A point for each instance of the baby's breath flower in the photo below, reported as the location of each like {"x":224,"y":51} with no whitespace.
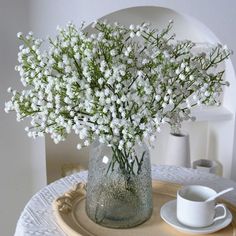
{"x":19,"y":35}
{"x":132,"y":34}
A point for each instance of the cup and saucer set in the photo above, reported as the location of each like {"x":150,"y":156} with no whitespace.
{"x":195,"y":211}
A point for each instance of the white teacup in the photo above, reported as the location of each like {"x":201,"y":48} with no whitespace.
{"x":192,"y":210}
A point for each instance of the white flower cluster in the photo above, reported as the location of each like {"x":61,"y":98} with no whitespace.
{"x":118,"y":84}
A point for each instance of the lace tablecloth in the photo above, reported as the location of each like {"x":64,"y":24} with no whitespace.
{"x":37,"y":217}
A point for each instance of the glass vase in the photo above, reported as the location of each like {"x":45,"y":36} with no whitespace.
{"x":119,"y":195}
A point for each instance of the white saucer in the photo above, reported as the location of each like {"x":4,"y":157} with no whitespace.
{"x":168,"y":214}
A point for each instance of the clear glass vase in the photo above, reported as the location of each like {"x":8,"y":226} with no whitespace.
{"x":119,"y":196}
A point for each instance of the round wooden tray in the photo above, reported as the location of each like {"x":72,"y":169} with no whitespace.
{"x":69,"y":211}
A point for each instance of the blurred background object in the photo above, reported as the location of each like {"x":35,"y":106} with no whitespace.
{"x":208,"y":166}
{"x":178,"y":150}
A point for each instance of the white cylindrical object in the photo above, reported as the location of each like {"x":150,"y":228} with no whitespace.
{"x":178,"y":150}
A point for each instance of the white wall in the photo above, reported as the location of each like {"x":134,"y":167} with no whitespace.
{"x":22,"y":168}
{"x":218,"y":15}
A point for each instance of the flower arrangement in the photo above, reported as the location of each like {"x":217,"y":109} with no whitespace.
{"x":118,"y":84}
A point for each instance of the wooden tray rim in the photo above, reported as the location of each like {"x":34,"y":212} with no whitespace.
{"x":64,"y":204}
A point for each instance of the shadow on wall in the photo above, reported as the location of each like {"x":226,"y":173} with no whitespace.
{"x":212,"y":151}
{"x":64,"y":156}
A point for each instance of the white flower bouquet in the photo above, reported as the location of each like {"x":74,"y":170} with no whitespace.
{"x":118,"y":84}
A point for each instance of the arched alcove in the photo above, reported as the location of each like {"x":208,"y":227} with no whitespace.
{"x":207,"y":135}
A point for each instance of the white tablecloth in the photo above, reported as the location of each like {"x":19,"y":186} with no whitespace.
{"x":37,"y":217}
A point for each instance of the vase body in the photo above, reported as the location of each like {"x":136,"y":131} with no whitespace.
{"x":117,"y":198}
{"x":178,"y":151}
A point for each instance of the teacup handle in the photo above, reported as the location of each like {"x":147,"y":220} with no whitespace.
{"x":222,"y":216}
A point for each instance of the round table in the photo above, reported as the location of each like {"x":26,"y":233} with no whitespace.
{"x":37,"y":217}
